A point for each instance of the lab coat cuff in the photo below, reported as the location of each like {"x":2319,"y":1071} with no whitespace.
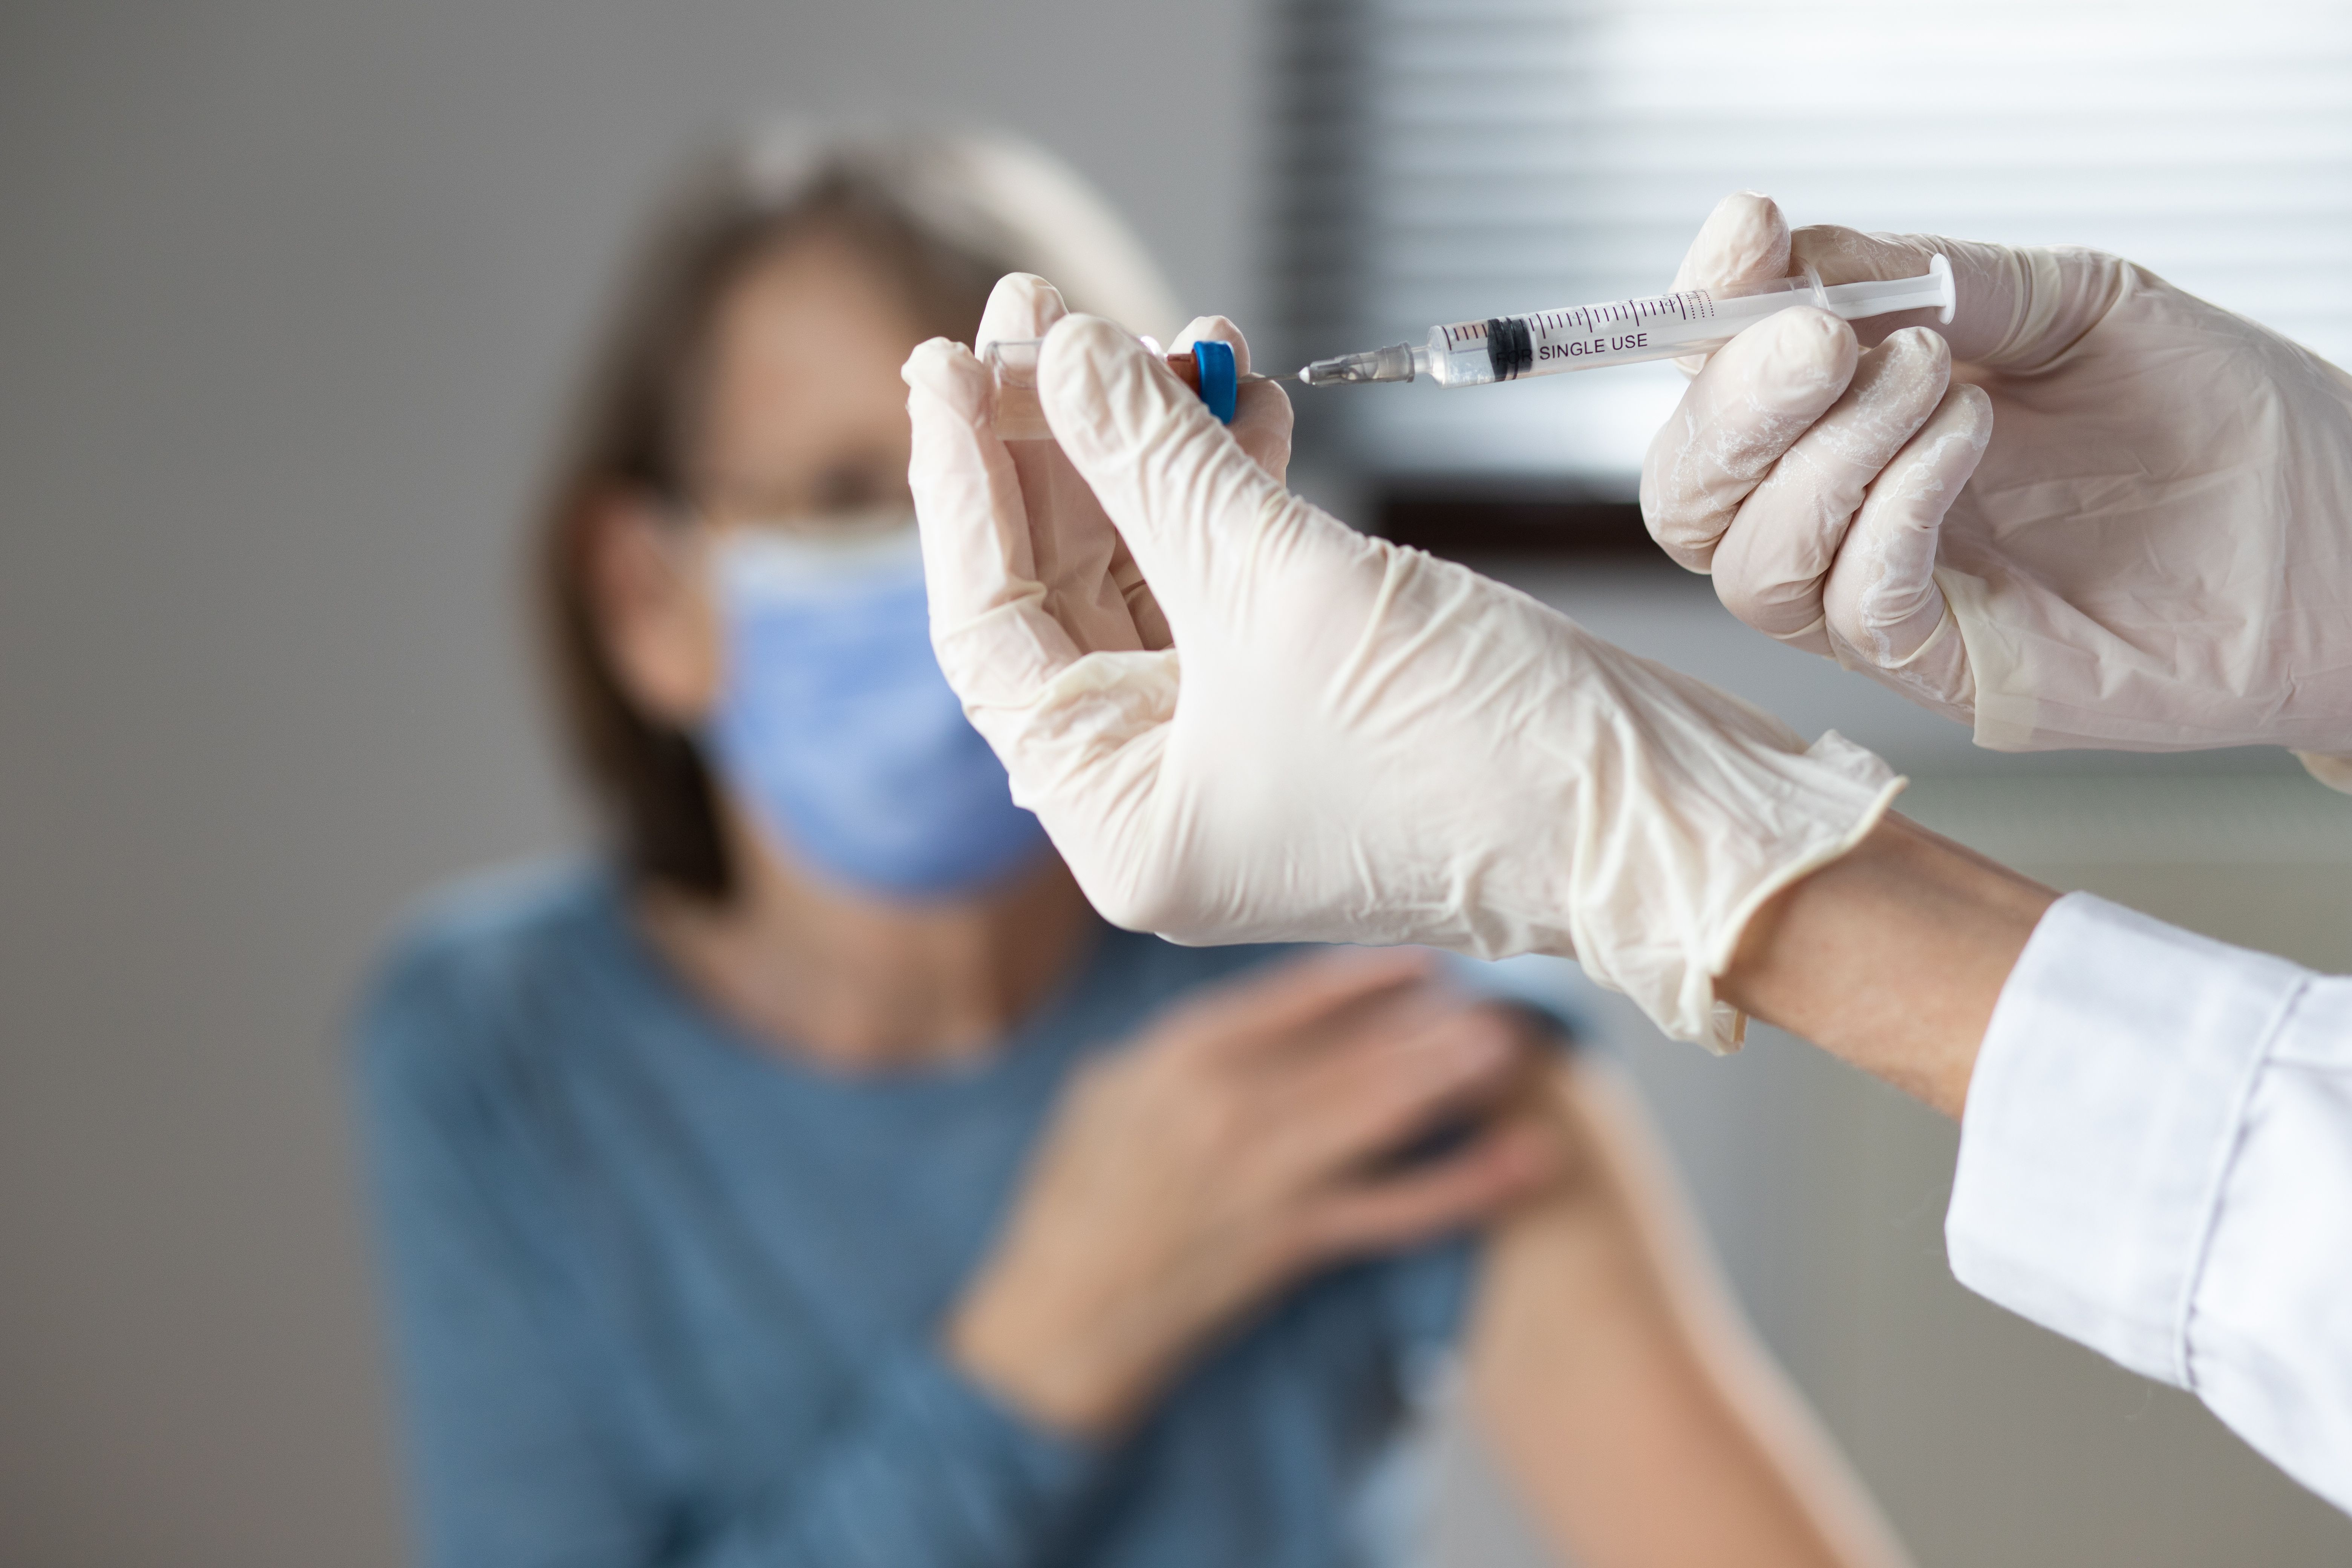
{"x":2101,"y":1120}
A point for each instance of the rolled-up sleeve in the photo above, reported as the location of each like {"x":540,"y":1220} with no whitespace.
{"x":2155,"y":1160}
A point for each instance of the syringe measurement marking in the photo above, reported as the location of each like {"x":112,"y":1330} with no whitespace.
{"x":1595,"y":324}
{"x":1686,"y":305}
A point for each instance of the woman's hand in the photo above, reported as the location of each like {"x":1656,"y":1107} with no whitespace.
{"x":1241,"y":1143}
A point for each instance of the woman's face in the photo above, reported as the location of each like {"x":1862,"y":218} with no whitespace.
{"x":806,"y":668}
{"x":806,"y":416}
{"x":805,"y":424}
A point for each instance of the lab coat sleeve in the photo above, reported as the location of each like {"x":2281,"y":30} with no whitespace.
{"x":2155,"y":1160}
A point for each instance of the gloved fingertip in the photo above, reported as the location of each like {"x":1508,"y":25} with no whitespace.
{"x":1263,"y":421}
{"x":1918,"y":344}
{"x":1022,"y":307}
{"x":1743,"y":240}
{"x":948,"y":371}
{"x":1217,"y":329}
{"x":1698,"y":559}
{"x":1024,"y":286}
{"x":1265,"y":403}
{"x":1804,"y":326}
{"x":1749,"y":214}
{"x":928,"y":355}
{"x":1910,"y":368}
{"x":1810,"y":348}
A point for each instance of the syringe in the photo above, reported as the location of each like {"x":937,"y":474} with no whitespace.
{"x":1625,"y":331}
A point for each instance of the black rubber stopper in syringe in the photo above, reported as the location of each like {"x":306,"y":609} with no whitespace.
{"x":1510,"y":347}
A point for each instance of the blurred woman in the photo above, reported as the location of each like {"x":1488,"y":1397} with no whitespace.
{"x":812,"y":1178}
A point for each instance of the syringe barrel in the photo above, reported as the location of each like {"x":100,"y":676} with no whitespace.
{"x":1585,"y":337}
{"x":1657,"y":326}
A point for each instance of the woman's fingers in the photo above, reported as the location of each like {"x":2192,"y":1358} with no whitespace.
{"x":1372,"y":1092}
{"x":1510,"y":1159}
{"x":1290,"y":1005}
{"x":1759,"y":393}
{"x":1769,"y":566}
{"x":1880,"y":598}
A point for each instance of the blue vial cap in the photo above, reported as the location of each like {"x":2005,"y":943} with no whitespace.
{"x":1221,"y":382}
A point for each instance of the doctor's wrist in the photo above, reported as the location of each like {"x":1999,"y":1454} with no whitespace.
{"x":1892,"y":957}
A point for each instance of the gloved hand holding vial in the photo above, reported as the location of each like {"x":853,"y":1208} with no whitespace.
{"x":1359,"y":743}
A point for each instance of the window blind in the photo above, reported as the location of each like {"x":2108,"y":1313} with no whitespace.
{"x":1449,"y":160}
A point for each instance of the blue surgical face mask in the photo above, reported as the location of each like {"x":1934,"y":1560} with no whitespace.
{"x":836,"y":728}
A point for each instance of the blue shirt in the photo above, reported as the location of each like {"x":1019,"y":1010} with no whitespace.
{"x":663,"y":1295}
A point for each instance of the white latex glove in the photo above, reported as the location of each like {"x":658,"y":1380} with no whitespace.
{"x":1360,"y":743}
{"x":2123,"y":520}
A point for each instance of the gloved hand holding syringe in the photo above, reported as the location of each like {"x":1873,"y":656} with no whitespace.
{"x":1539,"y":342}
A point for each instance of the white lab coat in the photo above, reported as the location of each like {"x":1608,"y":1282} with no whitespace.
{"x":2155,"y":1160}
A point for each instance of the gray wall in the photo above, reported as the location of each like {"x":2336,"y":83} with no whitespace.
{"x":287,"y":296}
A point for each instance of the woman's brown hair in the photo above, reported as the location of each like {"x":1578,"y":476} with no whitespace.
{"x":634,"y":429}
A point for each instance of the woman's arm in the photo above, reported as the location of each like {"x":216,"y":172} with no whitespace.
{"x":1231,"y":1151}
{"x":1614,"y":1378}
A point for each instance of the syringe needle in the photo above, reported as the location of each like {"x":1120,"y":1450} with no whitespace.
{"x":1398,"y":361}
